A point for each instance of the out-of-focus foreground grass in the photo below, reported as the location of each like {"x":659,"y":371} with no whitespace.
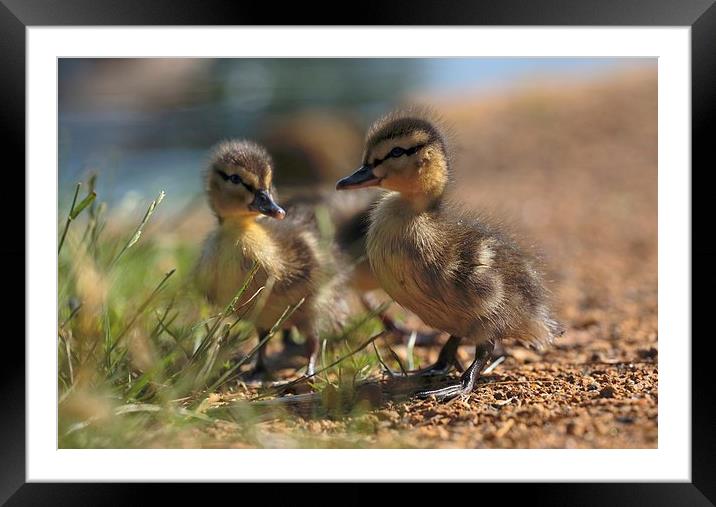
{"x":141,"y":354}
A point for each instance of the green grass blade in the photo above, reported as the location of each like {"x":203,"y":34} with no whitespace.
{"x":396,"y":358}
{"x":69,"y":218}
{"x":148,"y":376}
{"x":138,"y":231}
{"x":286,"y":387}
{"x":82,"y":205}
{"x":278,"y":325}
{"x":227,"y":310}
{"x":140,"y":310}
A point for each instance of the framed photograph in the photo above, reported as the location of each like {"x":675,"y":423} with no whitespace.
{"x":449,"y":244}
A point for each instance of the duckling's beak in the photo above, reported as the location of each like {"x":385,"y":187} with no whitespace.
{"x":363,"y":177}
{"x":264,"y":204}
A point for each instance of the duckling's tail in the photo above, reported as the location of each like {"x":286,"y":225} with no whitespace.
{"x":555,"y":328}
{"x":541,"y":332}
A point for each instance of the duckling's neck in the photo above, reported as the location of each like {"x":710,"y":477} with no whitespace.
{"x":418,"y":202}
{"x":250,"y":235}
{"x":239,"y":223}
{"x":432,"y":182}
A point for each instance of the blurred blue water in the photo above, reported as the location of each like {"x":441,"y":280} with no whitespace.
{"x":141,"y":140}
{"x":452,"y":74}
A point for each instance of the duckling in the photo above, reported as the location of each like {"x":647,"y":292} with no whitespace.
{"x":349,"y":216}
{"x":456,"y":270}
{"x":253,"y":228}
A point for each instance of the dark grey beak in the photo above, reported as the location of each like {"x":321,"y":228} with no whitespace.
{"x":363,"y":177}
{"x":264,"y":204}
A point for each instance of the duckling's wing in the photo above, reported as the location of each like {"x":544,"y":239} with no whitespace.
{"x":519,"y":265}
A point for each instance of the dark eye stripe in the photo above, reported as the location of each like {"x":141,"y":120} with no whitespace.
{"x":235,"y":179}
{"x":397,"y":152}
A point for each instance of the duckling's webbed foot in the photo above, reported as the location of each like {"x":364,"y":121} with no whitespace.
{"x":258,"y":374}
{"x":465,"y":386}
{"x":446,"y":360}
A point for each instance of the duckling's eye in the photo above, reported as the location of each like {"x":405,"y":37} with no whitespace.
{"x":221,"y":173}
{"x":397,"y":152}
{"x":235,"y":179}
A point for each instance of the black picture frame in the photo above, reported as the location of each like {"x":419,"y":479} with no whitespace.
{"x":17,"y":15}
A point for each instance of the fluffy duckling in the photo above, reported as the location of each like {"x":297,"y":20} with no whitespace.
{"x":251,"y":228}
{"x":349,"y":214}
{"x":458,"y":272}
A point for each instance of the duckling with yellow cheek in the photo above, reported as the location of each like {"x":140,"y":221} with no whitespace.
{"x":455,"y":270}
{"x":251,"y":228}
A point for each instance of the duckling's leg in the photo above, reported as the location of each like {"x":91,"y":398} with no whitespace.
{"x":446,"y":360}
{"x":259,"y":371}
{"x":498,"y":356}
{"x":311,"y":352}
{"x":290,"y":347}
{"x":483,"y":353}
{"x":399,"y":330}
